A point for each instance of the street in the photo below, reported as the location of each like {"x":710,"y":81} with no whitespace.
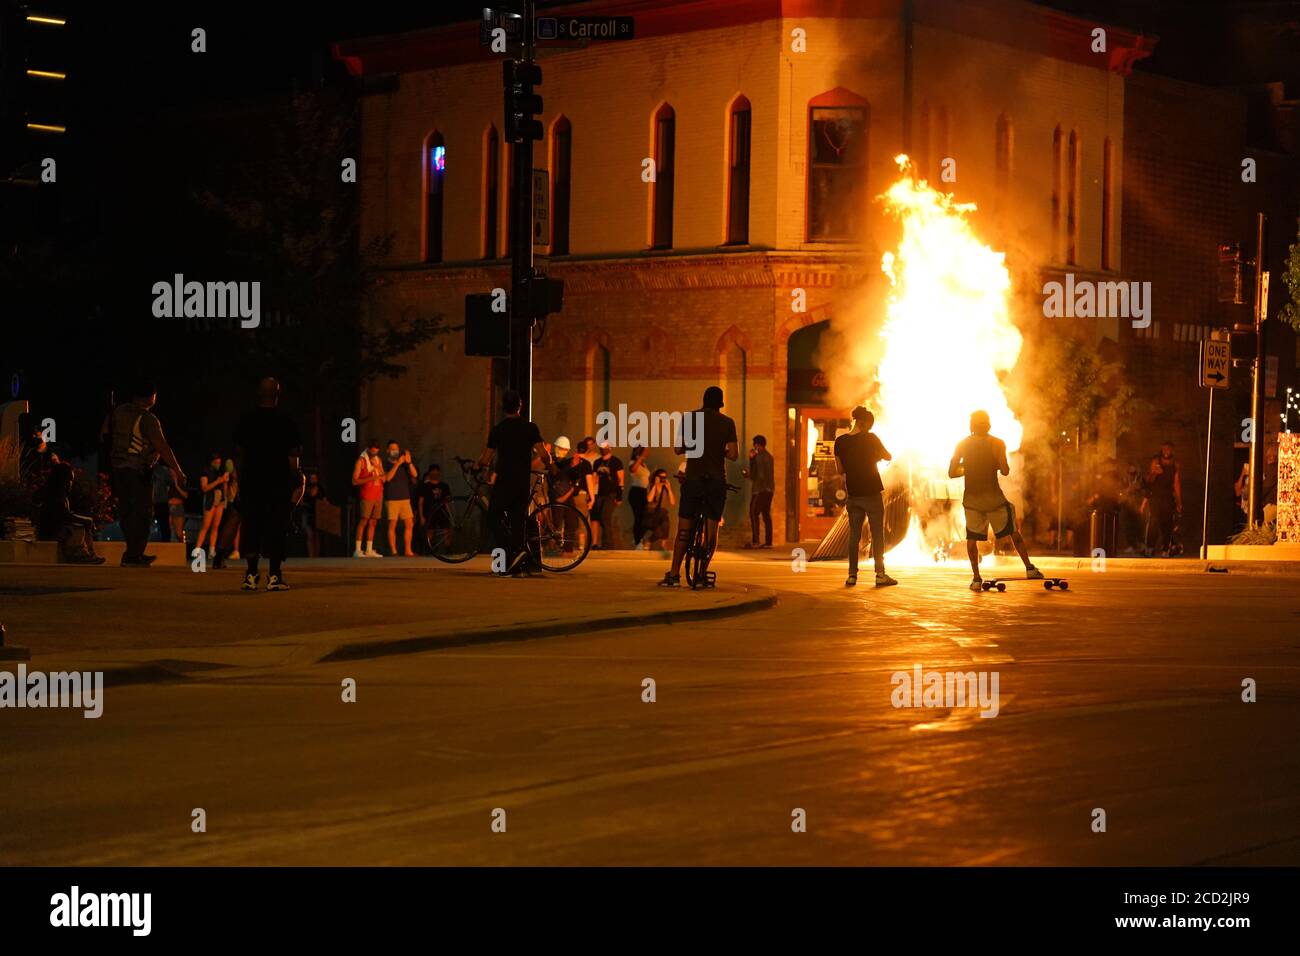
{"x":1124,"y":694}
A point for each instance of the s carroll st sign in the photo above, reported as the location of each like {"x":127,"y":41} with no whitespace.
{"x":585,"y":28}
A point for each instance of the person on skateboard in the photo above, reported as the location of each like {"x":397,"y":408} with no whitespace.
{"x":979,"y":458}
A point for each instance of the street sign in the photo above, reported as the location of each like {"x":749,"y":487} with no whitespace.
{"x":585,"y":28}
{"x":1216,"y":361}
{"x":541,"y":208}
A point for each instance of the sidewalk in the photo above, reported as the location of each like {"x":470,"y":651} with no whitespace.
{"x":164,"y":623}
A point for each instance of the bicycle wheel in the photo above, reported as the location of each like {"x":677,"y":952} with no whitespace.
{"x":697,"y":555}
{"x":459,"y":530}
{"x":559,"y":536}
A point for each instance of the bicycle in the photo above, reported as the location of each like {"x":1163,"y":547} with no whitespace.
{"x":699,"y":553}
{"x":557,"y":534}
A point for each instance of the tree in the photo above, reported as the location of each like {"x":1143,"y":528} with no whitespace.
{"x":1290,"y":311}
{"x":293,"y":222}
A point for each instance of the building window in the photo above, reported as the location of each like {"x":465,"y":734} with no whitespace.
{"x":1072,"y":207}
{"x":1002,"y":153}
{"x":1107,"y":204}
{"x":435,"y":165}
{"x":837,"y":155}
{"x":1057,"y":155}
{"x":665,"y":144}
{"x":738,"y":173}
{"x":561,"y":185}
{"x":491,"y":188}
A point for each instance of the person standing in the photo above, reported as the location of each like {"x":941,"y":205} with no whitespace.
{"x":762,"y":480}
{"x":162,"y":482}
{"x":432,"y":503}
{"x":398,"y":479}
{"x":213,"y":483}
{"x":980,"y":458}
{"x":583,"y":477}
{"x":659,"y":500}
{"x":638,"y":486}
{"x":512,"y":445}
{"x":609,"y":495}
{"x":267,"y":447}
{"x":859,"y":454}
{"x":704,"y":486}
{"x":138,"y":444}
{"x":305,"y":514}
{"x":1165,"y":503}
{"x":368,"y":479}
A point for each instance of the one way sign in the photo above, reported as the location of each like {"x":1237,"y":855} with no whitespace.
{"x":1216,"y":360}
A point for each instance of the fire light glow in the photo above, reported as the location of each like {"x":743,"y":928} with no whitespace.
{"x":948,"y":338}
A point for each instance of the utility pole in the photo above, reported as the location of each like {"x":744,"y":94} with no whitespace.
{"x":1255,"y":512}
{"x":521,"y":129}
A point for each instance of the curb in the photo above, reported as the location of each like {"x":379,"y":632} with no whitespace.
{"x":172,"y":670}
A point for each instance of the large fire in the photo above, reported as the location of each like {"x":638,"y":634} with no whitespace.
{"x":947,"y":338}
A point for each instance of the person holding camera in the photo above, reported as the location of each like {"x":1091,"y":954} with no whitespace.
{"x":659,"y":500}
{"x":398,"y":479}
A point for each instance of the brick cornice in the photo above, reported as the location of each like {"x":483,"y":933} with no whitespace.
{"x":752,"y":270}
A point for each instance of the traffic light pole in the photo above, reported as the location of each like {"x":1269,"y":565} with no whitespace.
{"x":521,"y":245}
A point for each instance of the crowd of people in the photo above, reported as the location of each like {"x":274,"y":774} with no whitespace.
{"x":247,"y":503}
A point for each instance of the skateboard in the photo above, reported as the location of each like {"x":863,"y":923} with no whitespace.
{"x":1048,"y":583}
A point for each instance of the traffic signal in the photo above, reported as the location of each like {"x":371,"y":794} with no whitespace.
{"x":487,"y":331}
{"x":523,"y":106}
{"x":545,"y":295}
{"x":1229,"y":273}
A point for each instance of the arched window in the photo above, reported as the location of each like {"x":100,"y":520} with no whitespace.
{"x":1072,"y":202}
{"x":435,"y":166}
{"x":561,"y":185}
{"x":1107,"y":204}
{"x":738,"y":172}
{"x":1002,"y":153}
{"x":664,"y":147}
{"x":837,"y":165}
{"x":491,"y":191}
{"x":1057,"y":160}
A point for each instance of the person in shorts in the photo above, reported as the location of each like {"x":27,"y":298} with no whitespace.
{"x":704,"y":487}
{"x":398,"y":479}
{"x":368,"y":479}
{"x":980,"y":458}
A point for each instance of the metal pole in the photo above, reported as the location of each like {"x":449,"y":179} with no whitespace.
{"x":521,"y":247}
{"x":1205,"y":507}
{"x":1060,"y":496}
{"x":1255,"y":510}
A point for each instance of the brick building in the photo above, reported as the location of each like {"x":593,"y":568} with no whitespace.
{"x":772,"y":124}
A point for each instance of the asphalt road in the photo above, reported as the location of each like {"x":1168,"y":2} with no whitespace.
{"x":1123,"y":694}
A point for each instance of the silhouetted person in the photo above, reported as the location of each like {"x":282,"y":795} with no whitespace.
{"x":512,"y":445}
{"x":980,"y":458}
{"x":267,"y":447}
{"x":1164,"y":501}
{"x":860,"y":453}
{"x":761,"y":474}
{"x":138,"y":444}
{"x":75,"y":533}
{"x":704,"y":486}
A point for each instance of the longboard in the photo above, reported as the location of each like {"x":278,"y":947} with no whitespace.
{"x":1048,"y":583}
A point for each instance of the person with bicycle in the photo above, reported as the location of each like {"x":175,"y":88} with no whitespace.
{"x":704,"y":487}
{"x":512,"y":444}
